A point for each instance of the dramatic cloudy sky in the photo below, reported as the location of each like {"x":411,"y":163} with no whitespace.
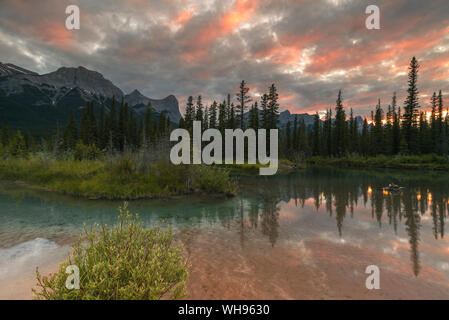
{"x":309,"y":48}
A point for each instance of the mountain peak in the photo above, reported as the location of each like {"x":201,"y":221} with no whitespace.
{"x":136,"y":93}
{"x":9,"y":69}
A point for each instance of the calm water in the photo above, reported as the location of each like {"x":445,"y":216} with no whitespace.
{"x":306,"y":235}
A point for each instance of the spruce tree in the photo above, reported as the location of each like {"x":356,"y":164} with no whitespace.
{"x":189,"y":114}
{"x":265,"y":112}
{"x":199,"y":116}
{"x":213,"y":115}
{"x":273,"y":108}
{"x":70,"y":137}
{"x":364,"y":139}
{"x":316,"y":133}
{"x":411,"y":109}
{"x":243,"y":98}
{"x":340,"y":128}
{"x":222,"y":117}
{"x":377,"y":131}
{"x":253,"y":116}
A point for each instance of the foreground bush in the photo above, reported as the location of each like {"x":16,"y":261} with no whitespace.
{"x":125,"y":261}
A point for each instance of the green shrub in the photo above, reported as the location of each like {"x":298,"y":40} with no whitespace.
{"x":83,"y":152}
{"x":125,"y":166}
{"x":124,"y":261}
{"x":211,"y":179}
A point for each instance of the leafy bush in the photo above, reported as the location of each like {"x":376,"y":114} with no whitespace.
{"x":125,"y":261}
{"x":17,"y":146}
{"x":126,"y":165}
{"x":211,"y":179}
{"x":83,"y":152}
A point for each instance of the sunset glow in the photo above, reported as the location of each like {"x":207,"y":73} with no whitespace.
{"x":310,"y":49}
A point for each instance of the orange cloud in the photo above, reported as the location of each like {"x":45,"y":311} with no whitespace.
{"x":239,"y":13}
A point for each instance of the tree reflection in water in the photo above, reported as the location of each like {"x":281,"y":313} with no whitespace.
{"x":340,"y":191}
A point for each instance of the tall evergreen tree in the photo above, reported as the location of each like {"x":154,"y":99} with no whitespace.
{"x":411,"y":108}
{"x":377,"y":131}
{"x":265,"y":112}
{"x":273,"y":108}
{"x":316,"y":134}
{"x":222,"y":117}
{"x":199,"y":110}
{"x":243,"y":98}
{"x":340,"y":128}
{"x":213,"y":115}
{"x":253,"y":117}
{"x":70,"y":133}
{"x":189,"y":114}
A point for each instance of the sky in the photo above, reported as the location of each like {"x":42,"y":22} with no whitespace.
{"x":309,"y":48}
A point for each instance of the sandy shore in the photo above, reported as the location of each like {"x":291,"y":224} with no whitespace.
{"x":20,"y":288}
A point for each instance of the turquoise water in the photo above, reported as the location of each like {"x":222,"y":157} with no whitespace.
{"x":321,"y":215}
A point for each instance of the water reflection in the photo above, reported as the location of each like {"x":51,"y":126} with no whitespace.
{"x":342,"y":192}
{"x":260,"y":210}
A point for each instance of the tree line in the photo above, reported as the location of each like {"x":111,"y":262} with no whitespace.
{"x":393,"y":131}
{"x":227,"y":115}
{"x":405,"y":131}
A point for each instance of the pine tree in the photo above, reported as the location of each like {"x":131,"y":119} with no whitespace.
{"x":411,"y":107}
{"x":316,"y":133}
{"x":273,"y":108}
{"x":327,"y":134}
{"x":425,"y":141}
{"x":434,"y":128}
{"x":441,"y":129}
{"x":199,"y":110}
{"x":148,"y":122}
{"x":396,"y":130}
{"x":377,"y":131}
{"x":161,"y":125}
{"x":340,"y":127}
{"x":304,"y":148}
{"x":353,"y":134}
{"x":213,"y":115}
{"x":253,"y":116}
{"x":222,"y":117}
{"x":206,"y":119}
{"x":295,"y":134}
{"x":70,"y":133}
{"x":243,"y":98}
{"x":189,"y":114}
{"x":265,"y":113}
{"x":111,"y":127}
{"x":364,"y":139}
{"x":232,"y":121}
{"x":123,"y":125}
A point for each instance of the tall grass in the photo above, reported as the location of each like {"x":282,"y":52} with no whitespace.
{"x":125,"y":176}
{"x":428,"y":162}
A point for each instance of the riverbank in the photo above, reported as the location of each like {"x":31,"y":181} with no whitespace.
{"x":123,"y":178}
{"x":424,"y":162}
